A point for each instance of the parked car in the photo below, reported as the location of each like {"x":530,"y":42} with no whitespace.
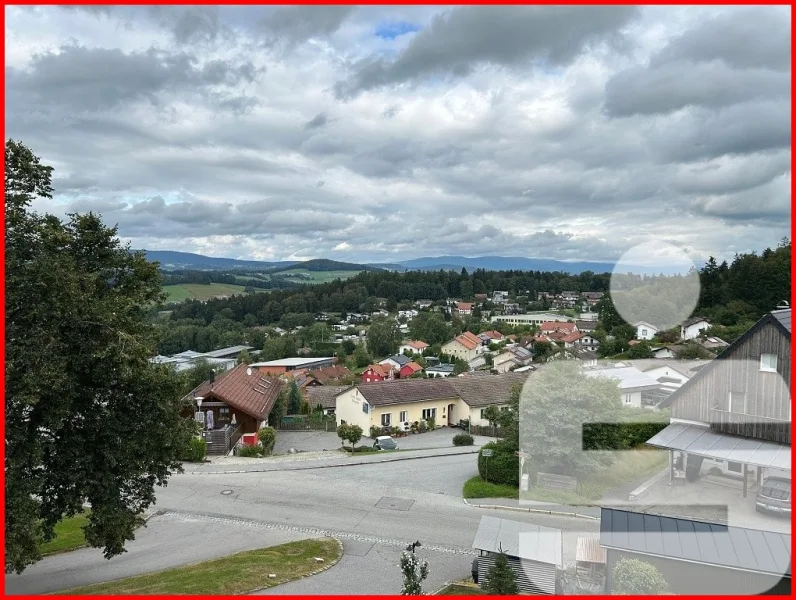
{"x":385,"y":442}
{"x":773,"y":496}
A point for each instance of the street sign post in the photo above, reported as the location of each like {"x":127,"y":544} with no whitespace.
{"x":486,"y":453}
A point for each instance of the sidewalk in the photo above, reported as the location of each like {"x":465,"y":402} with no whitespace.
{"x":533,"y":506}
{"x":316,"y":460}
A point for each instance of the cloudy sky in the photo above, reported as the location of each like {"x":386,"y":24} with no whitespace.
{"x":387,"y":133}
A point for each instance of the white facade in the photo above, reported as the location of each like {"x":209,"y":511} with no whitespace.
{"x":589,"y":316}
{"x":693,"y":330}
{"x":529,"y":318}
{"x":645,"y":331}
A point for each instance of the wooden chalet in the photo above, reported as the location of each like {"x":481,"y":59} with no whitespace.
{"x":736,"y":409}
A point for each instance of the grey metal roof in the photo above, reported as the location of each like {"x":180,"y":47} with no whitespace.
{"x":401,"y":359}
{"x":696,"y":541}
{"x":225,"y":352}
{"x":783,"y":316}
{"x":700,"y":440}
{"x":523,"y":540}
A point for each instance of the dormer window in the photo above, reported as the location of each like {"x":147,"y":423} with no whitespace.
{"x":768,"y":363}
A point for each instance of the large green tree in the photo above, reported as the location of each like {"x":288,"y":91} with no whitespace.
{"x":89,"y":420}
{"x":430,"y":327}
{"x":384,"y":337}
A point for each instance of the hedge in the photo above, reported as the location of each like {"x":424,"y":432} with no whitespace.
{"x":196,"y":450}
{"x":503,"y":467}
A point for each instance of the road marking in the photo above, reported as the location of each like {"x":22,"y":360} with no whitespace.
{"x":213,"y":518}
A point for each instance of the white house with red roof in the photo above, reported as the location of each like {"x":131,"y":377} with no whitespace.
{"x":413,"y":347}
{"x":466,"y":346}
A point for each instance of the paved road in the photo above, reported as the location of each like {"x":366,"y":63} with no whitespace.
{"x":375,"y":509}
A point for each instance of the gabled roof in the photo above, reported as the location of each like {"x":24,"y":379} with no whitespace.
{"x":556,"y":325}
{"x":325,"y":395}
{"x":492,"y":389}
{"x":468,"y":340}
{"x":416,"y":344}
{"x":326,"y":374}
{"x":401,"y":359}
{"x":245,"y":389}
{"x":779,"y":319}
{"x":464,"y":305}
{"x":415,"y":368}
{"x":694,"y":321}
{"x":493,"y":335}
{"x":586,"y":325}
{"x":572,"y":337}
{"x":382,"y":370}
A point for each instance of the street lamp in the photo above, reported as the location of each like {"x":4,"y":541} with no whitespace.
{"x":411,"y":547}
{"x":198,"y":400}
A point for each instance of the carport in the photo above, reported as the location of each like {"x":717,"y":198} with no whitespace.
{"x":699,"y":440}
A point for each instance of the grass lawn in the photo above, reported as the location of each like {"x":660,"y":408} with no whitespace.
{"x":200,"y":291}
{"x":629,"y":466}
{"x":318,"y":276}
{"x":475,"y":487}
{"x":68,"y":536}
{"x":461,"y":590}
{"x":240,"y":573}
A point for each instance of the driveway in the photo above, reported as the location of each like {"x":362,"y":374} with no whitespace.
{"x":318,"y":441}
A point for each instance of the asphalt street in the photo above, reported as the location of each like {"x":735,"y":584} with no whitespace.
{"x":374,"y":509}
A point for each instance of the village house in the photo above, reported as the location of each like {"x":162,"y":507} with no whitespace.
{"x":735,"y":413}
{"x":413,"y":347}
{"x":578,"y":339}
{"x":480,"y":298}
{"x":464,"y":308}
{"x":465,"y":346}
{"x":500,"y":296}
{"x":285,"y":365}
{"x":324,"y":396}
{"x":233,"y":403}
{"x":511,"y":359}
{"x":692,"y":328}
{"x":222,"y":359}
{"x":529,"y":318}
{"x":440,"y":370}
{"x":396,"y":361}
{"x":637,"y":389}
{"x":645,"y":331}
{"x":712,"y":343}
{"x":558,"y":326}
{"x":490,"y":337}
{"x":423,"y":303}
{"x":376,"y":373}
{"x":446,"y":401}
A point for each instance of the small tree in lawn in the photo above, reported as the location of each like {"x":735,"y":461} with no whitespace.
{"x":415,"y":572}
{"x":501,"y":580}
{"x":343,"y":432}
{"x":492,"y":414}
{"x":294,"y":399}
{"x":354,"y":435}
{"x":636,"y":577}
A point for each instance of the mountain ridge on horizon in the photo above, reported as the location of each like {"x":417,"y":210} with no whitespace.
{"x":175,"y":260}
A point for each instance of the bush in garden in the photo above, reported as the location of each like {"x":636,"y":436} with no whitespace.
{"x":431,"y":423}
{"x":196,"y":450}
{"x":503,"y":467}
{"x":267,"y":437}
{"x":250,"y":450}
{"x":422,"y":428}
{"x":463,"y":439}
{"x":632,"y":576}
{"x":374,"y":432}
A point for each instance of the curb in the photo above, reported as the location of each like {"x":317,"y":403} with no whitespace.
{"x":348,"y":464}
{"x":533,"y":510}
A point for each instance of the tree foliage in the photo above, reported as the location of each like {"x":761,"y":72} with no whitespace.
{"x":500,"y":579}
{"x":415,"y":572}
{"x":632,"y":576}
{"x":294,"y":399}
{"x":88,"y":417}
{"x":384,"y":337}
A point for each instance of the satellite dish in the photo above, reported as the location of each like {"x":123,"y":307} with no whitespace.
{"x":248,"y":371}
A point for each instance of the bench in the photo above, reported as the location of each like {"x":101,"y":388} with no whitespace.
{"x":551,"y":481}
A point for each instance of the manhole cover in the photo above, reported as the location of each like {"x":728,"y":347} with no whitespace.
{"x":226,"y":492}
{"x":395,"y":503}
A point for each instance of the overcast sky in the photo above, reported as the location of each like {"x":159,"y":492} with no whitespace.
{"x":388,"y":133}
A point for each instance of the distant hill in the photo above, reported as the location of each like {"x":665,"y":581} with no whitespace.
{"x":174,"y":261}
{"x":517,"y":263}
{"x":325,"y":264}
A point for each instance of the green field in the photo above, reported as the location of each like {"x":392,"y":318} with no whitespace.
{"x":317,"y":276}
{"x":68,"y":536}
{"x":200,"y":291}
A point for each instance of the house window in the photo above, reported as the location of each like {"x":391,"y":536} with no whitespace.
{"x":403,"y":416}
{"x":482,"y":415}
{"x":365,"y":407}
{"x":429,"y":413}
{"x":643,"y":333}
{"x":385,"y":419}
{"x":768,"y":362}
{"x":738,"y":402}
{"x":627,"y":398}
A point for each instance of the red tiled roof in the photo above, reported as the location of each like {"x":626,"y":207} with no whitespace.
{"x":326,"y":374}
{"x":492,"y":334}
{"x":253,"y":394}
{"x":382,"y":370}
{"x":464,"y":306}
{"x":417,"y":344}
{"x":557,"y":336}
{"x":571,"y":337}
{"x":554,"y":326}
{"x":414,"y":366}
{"x":469,"y":340}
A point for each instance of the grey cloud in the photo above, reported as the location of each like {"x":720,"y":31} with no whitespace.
{"x":742,"y":129}
{"x":748,"y":38}
{"x":677,"y":85}
{"x":98,"y":78}
{"x":726,"y":177}
{"x":466,"y":36}
{"x":294,"y":25}
{"x":317,"y":121}
{"x":768,"y":204}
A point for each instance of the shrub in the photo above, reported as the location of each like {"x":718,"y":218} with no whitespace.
{"x":374,"y":432}
{"x":637,"y":577}
{"x":463,"y":439}
{"x":503,"y":467}
{"x":250,"y":450}
{"x":267,"y":437}
{"x":431,"y":423}
{"x":422,"y":428}
{"x":196,"y":450}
